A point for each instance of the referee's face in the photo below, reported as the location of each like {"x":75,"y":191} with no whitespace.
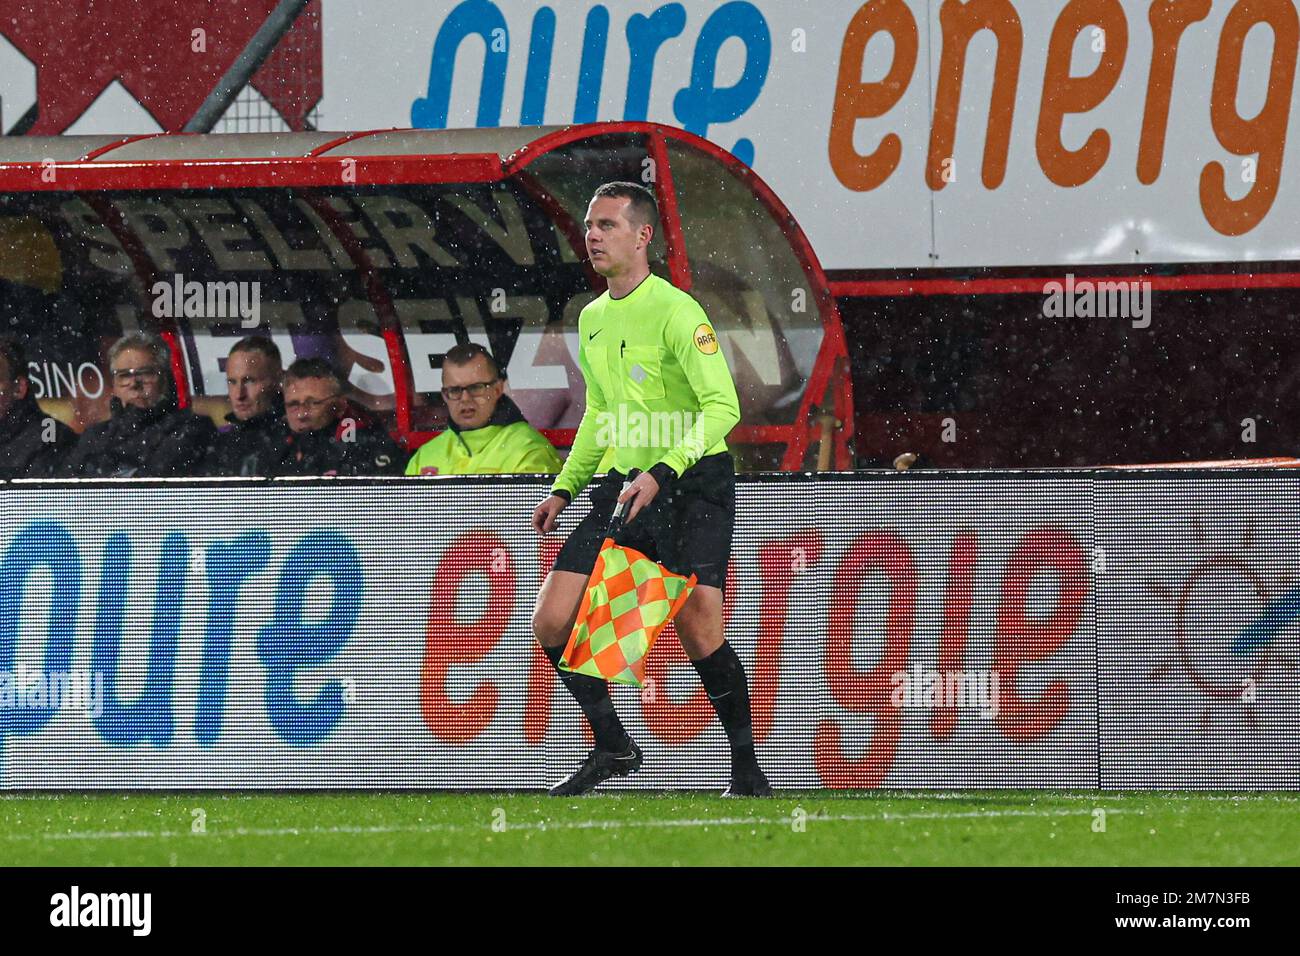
{"x":614,"y":244}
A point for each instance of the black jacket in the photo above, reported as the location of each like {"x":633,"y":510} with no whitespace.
{"x":158,"y":442}
{"x":251,"y":448}
{"x":352,"y":446}
{"x":24,"y":452}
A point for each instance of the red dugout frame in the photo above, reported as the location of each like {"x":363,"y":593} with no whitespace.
{"x":320,"y":165}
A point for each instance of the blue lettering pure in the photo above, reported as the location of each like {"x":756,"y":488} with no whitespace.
{"x":587,"y":103}
{"x":286,"y":646}
{"x":290,"y":643}
{"x":537,"y":79}
{"x":42,"y":544}
{"x":702,"y":103}
{"x":697,"y":107}
{"x":149,"y":716}
{"x":645,"y":35}
{"x":477,"y":17}
{"x":229,"y":565}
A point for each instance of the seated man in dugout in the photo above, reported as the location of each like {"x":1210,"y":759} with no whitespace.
{"x":31,"y":442}
{"x":486,"y":433}
{"x":325,"y":434}
{"x":148,"y":435}
{"x":254,"y":439}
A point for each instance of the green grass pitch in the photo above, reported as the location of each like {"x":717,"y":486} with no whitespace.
{"x":933,"y":828}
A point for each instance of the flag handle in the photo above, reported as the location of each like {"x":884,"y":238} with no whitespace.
{"x":616,"y":520}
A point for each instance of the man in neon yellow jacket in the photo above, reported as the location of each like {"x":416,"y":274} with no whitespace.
{"x":486,"y":433}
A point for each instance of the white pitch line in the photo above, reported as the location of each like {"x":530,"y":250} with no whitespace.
{"x":1082,"y":796}
{"x":542,"y":826}
{"x":1087,"y":796}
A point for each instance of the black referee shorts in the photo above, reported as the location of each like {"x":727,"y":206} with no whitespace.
{"x":687,"y":530}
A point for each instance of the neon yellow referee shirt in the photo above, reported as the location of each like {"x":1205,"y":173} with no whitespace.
{"x":658,"y":385}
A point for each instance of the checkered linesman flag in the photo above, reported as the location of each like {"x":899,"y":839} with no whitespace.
{"x":629,"y":599}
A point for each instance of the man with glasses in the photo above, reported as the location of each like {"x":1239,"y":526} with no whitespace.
{"x":252,"y":441}
{"x":486,"y":433}
{"x":148,"y":435}
{"x":31,"y":442}
{"x":326,"y":435}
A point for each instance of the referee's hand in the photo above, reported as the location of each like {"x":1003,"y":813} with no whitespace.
{"x":641,"y":492}
{"x":547,"y":512}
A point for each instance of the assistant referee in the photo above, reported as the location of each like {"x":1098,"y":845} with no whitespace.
{"x":660,"y":393}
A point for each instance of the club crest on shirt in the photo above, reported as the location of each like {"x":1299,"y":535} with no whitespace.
{"x":705,"y":340}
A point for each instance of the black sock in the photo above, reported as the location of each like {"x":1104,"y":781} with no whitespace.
{"x":724,"y":679}
{"x":592,"y":695}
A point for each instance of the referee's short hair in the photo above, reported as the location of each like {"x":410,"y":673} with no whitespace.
{"x":643,"y":210}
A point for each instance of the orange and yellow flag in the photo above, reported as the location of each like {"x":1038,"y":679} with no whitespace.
{"x":628,"y":601}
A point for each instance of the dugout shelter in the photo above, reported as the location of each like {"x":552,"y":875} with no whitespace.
{"x":380,"y":250}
